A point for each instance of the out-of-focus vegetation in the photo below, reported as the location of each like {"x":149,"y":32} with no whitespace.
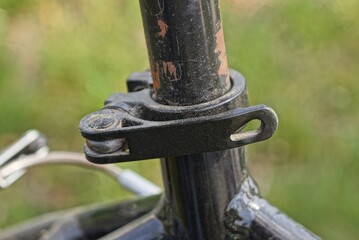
{"x":59,"y":60}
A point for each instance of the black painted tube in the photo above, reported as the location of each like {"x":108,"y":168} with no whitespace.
{"x":189,"y":66}
{"x":186,"y":50}
{"x":271,"y":223}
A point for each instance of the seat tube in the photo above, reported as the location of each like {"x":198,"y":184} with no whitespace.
{"x":189,"y":66}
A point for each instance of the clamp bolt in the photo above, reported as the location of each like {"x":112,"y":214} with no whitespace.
{"x":101,"y":121}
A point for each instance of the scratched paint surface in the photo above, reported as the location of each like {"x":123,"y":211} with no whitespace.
{"x":222,"y":55}
{"x":163,"y":28}
{"x":186,"y":51}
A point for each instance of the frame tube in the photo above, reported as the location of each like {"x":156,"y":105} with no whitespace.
{"x":189,"y":66}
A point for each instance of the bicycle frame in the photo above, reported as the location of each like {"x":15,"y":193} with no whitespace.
{"x":208,"y":194}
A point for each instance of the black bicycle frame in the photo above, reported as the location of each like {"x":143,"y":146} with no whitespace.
{"x":185,"y":114}
{"x":211,"y":193}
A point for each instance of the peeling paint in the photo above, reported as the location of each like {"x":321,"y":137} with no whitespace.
{"x":170,"y":71}
{"x":165,"y":71}
{"x":221,"y":51}
{"x":163,"y":27}
{"x":155,"y":75}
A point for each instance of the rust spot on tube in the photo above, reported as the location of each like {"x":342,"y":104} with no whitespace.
{"x":163,"y":27}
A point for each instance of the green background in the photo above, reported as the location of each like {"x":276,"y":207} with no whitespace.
{"x":59,"y":60}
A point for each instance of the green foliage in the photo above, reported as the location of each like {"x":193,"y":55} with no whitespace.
{"x":59,"y":60}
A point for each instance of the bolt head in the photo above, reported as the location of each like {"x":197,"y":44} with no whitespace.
{"x":102,"y":121}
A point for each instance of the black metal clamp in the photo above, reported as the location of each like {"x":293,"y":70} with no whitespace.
{"x":132,"y":126}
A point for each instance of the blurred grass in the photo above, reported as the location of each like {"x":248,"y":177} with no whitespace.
{"x":59,"y":60}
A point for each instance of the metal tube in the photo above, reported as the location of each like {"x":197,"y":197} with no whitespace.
{"x":186,"y":50}
{"x":189,"y":66}
{"x":125,"y":177}
{"x":199,"y":188}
